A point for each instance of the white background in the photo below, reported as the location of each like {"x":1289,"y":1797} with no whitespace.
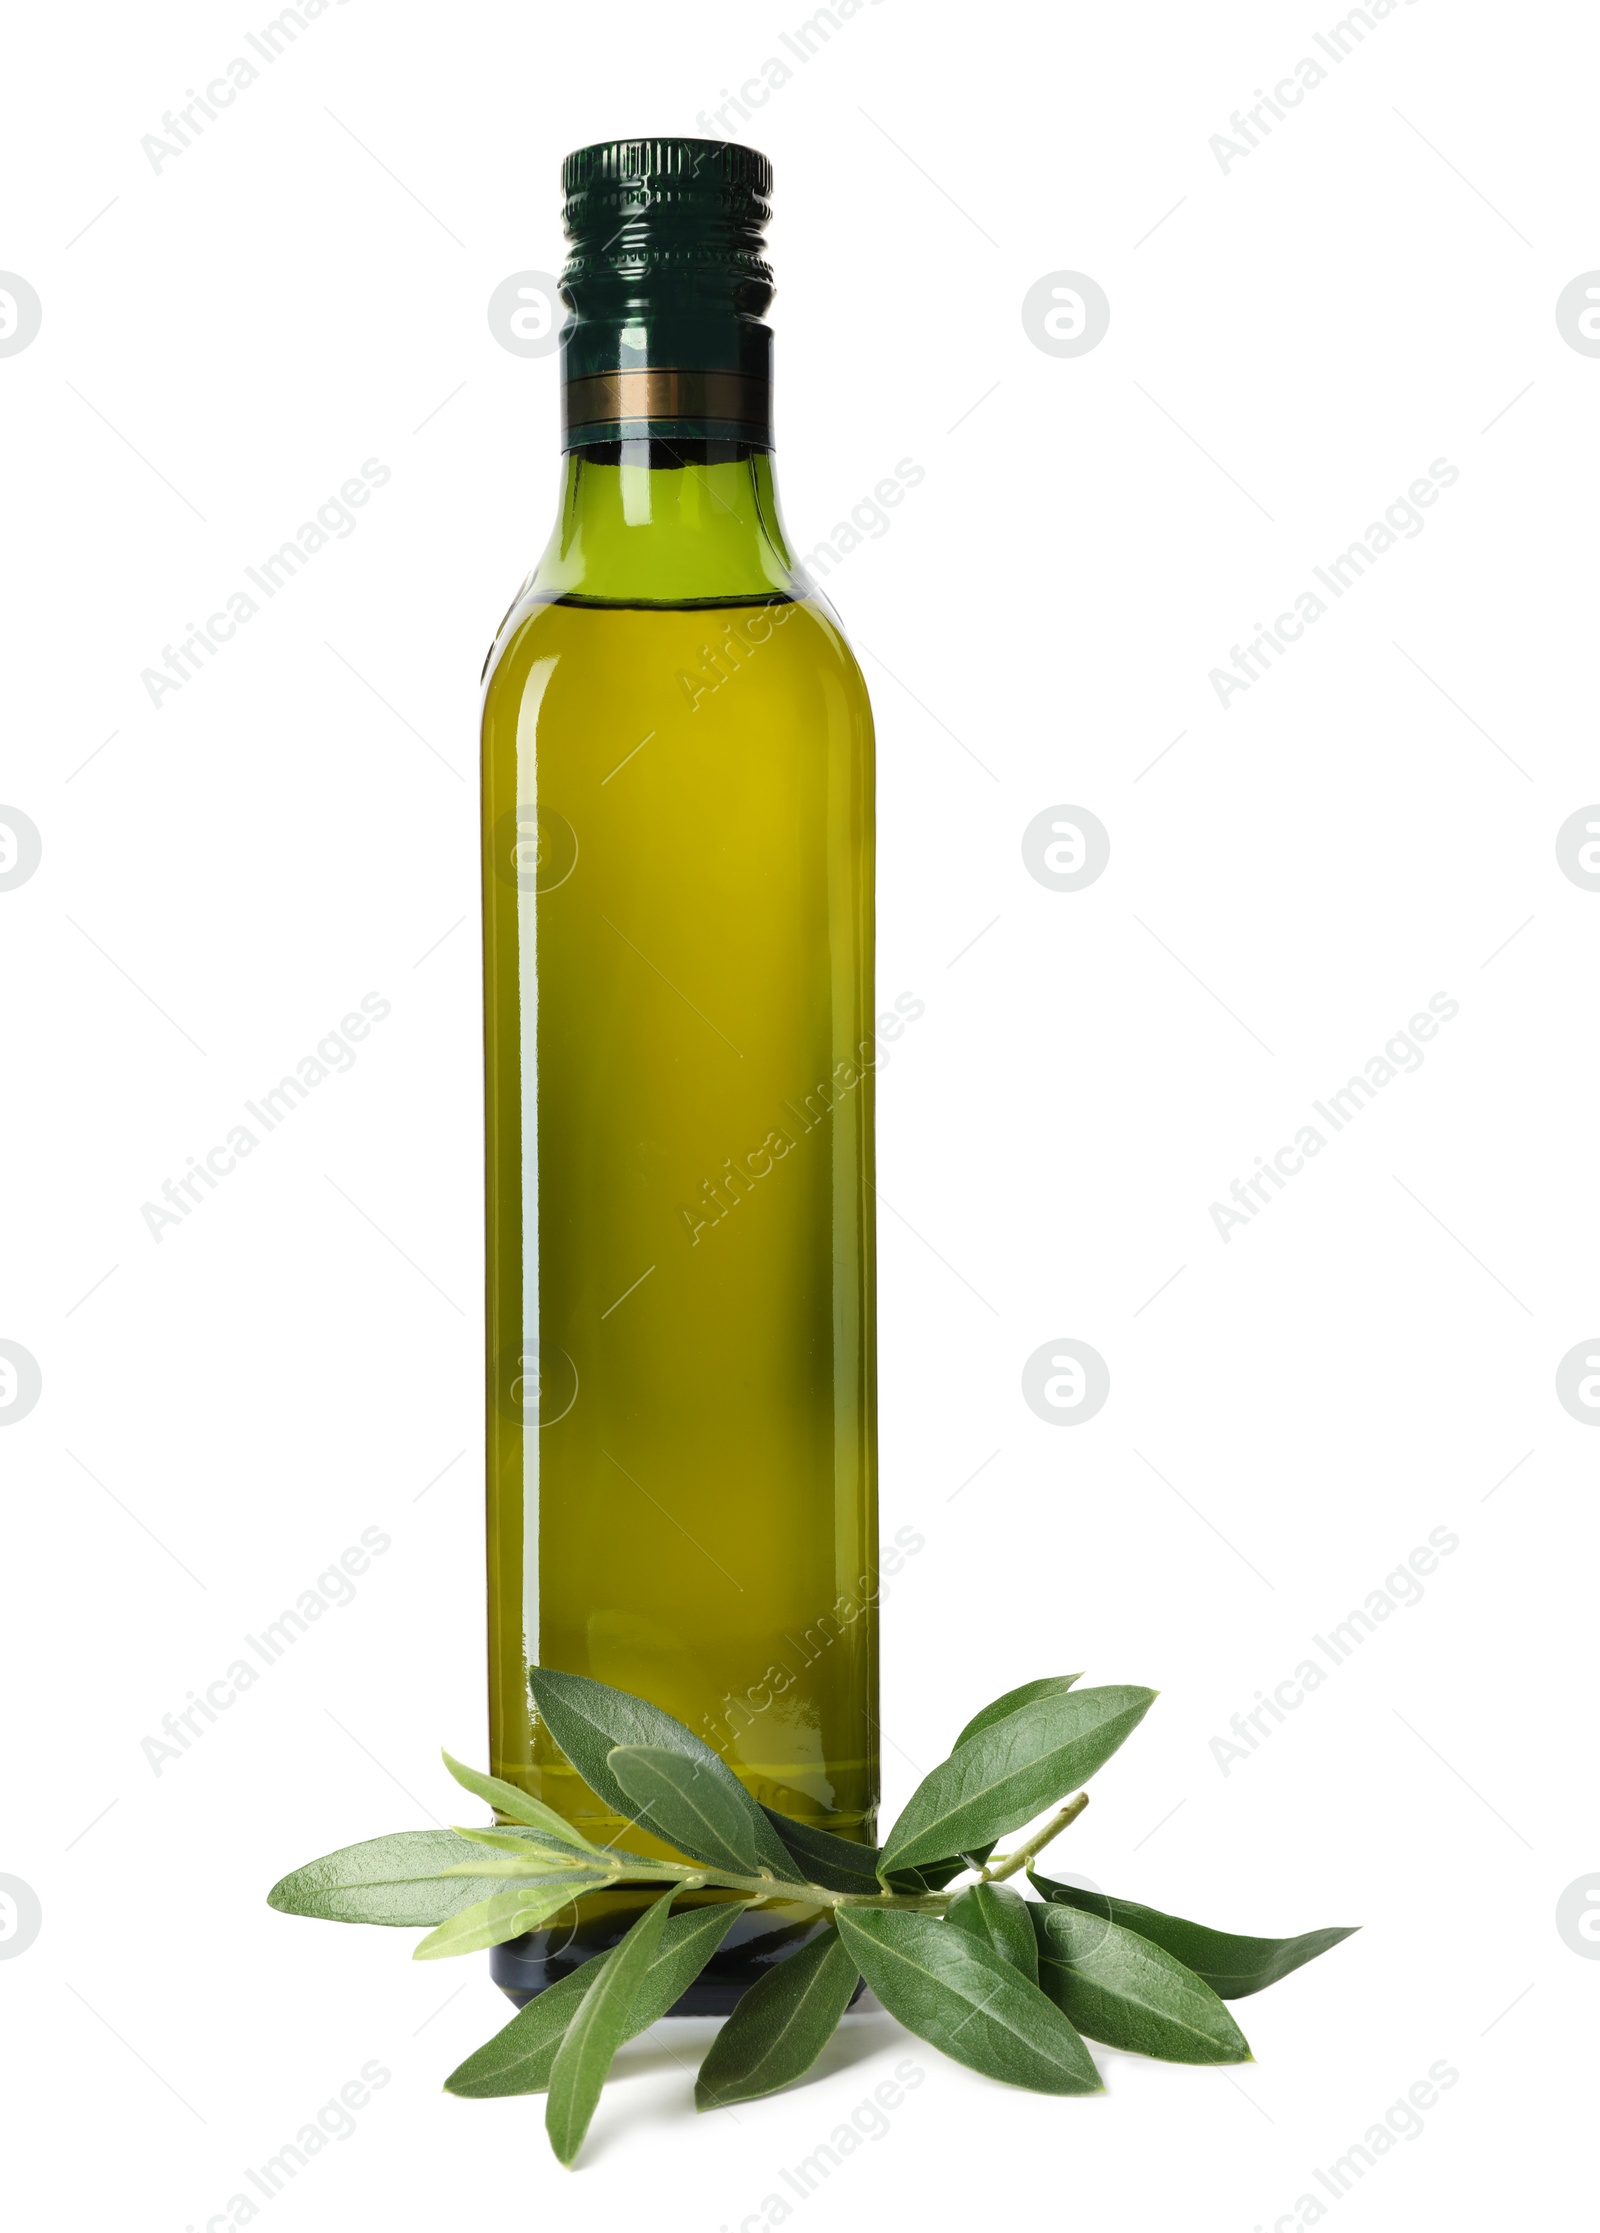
{"x":1291,"y":1411}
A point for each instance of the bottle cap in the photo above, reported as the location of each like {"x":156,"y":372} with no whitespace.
{"x":667,"y":282}
{"x":664,"y":204}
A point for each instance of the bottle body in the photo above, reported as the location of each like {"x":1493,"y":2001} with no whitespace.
{"x":678,"y":882}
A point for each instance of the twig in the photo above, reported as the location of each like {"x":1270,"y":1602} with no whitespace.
{"x":1009,"y":1863}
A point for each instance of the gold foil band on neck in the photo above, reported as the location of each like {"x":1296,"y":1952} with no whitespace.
{"x":665,"y":393}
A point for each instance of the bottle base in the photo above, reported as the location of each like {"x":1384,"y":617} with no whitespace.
{"x":756,"y":1942}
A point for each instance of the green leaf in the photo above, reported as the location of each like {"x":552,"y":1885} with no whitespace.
{"x":956,"y":1993}
{"x":836,"y":1863}
{"x":599,"y":2026}
{"x":998,"y":1916}
{"x":780,"y":2026}
{"x":1129,"y":1992}
{"x":528,"y":1853}
{"x":537,"y":1868}
{"x":935,"y":1875}
{"x":397,"y":1880}
{"x":503,"y":1915}
{"x":505,"y":1798}
{"x":518,"y":2059}
{"x":690,"y":1807}
{"x":1046,"y":1687}
{"x":589,"y":1720}
{"x":1233,"y":1967}
{"x":502,"y":1841}
{"x":1012,"y":1771}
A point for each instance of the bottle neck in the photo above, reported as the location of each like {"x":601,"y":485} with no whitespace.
{"x":668,"y":522}
{"x":666,"y":396}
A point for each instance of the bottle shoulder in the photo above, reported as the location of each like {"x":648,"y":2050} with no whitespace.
{"x":797,"y":638}
{"x":683,"y":558}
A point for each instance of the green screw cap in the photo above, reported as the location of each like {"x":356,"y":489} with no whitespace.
{"x":666,"y":204}
{"x":667,"y":272}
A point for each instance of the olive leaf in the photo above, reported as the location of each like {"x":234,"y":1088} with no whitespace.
{"x":698,"y":1812}
{"x":535,"y":1869}
{"x":503,"y":1915}
{"x":934,"y":1878}
{"x":999,"y":1916}
{"x":1013,"y":1770}
{"x":935,"y":1875}
{"x":1129,"y":1992}
{"x":503,"y":1841}
{"x":959,"y":1995}
{"x":780,"y":2026}
{"x":1047,"y":1686}
{"x":836,"y":1863}
{"x":397,"y":1880}
{"x":505,"y":1798}
{"x":518,"y":2058}
{"x":1232,"y":1967}
{"x":527,"y":1853}
{"x":598,"y":2027}
{"x":589,"y":1720}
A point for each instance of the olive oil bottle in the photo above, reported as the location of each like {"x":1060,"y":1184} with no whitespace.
{"x":678,"y":968}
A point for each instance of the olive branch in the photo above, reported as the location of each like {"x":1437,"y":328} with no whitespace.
{"x":1009,"y":1986}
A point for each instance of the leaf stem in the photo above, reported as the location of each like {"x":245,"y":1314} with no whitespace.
{"x":766,"y":1887}
{"x":629,"y":1869}
{"x":1009,"y":1863}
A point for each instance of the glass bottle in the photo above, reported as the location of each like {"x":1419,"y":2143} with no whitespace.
{"x":678,"y":958}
